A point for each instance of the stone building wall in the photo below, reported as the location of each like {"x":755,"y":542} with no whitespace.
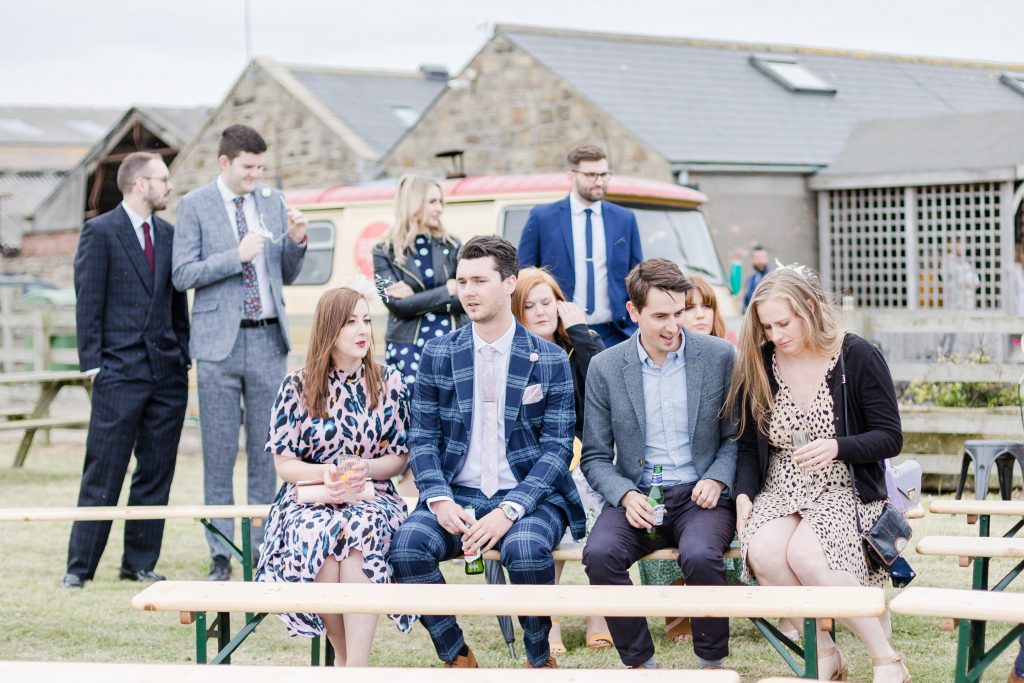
{"x":46,"y":255}
{"x":303,"y":152}
{"x":516,"y":116}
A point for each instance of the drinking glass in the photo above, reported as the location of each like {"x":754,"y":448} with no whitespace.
{"x":799,"y":439}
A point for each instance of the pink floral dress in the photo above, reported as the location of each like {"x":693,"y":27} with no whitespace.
{"x":299,"y":537}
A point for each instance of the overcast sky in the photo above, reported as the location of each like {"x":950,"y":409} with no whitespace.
{"x":187,"y":52}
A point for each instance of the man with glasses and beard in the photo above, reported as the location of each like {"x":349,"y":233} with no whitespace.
{"x":588,"y":244}
{"x":133,"y":334}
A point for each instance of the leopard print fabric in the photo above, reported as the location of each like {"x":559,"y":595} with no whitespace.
{"x":831,"y":515}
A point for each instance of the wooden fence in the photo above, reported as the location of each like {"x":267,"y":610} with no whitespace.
{"x":35,"y":338}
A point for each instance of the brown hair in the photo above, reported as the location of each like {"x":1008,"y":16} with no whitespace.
{"x":410,"y":202}
{"x":799,"y":288}
{"x":657,"y":273}
{"x":707,"y":294}
{"x":504,"y":253}
{"x":237,"y":139}
{"x":332,"y":313}
{"x":527,"y":280}
{"x":133,"y":166}
{"x":584,"y":152}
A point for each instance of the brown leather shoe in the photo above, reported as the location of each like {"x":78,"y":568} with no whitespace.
{"x":466,"y":661}
{"x":1013,"y":677}
{"x":550,"y":664}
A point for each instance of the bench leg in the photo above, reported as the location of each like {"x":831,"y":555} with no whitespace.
{"x":42,"y":408}
{"x":223,"y":625}
{"x":783,"y":645}
{"x":200,"y":637}
{"x":810,"y":648}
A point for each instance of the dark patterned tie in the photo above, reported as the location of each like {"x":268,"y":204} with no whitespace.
{"x":252,"y":307}
{"x":148,"y":249}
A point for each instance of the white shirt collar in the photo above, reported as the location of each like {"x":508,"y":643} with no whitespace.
{"x":577,"y":207}
{"x":502,"y":345}
{"x":227,"y":195}
{"x":136,"y":219}
{"x":645,"y":358}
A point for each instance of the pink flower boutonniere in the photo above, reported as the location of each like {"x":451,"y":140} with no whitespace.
{"x":534,"y":357}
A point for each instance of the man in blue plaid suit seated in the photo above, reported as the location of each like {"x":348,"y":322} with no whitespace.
{"x":492,"y":427}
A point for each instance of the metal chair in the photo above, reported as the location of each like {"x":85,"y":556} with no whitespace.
{"x":984,"y":454}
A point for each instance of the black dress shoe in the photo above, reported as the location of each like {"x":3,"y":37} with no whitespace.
{"x":220,"y":569}
{"x":141,"y":575}
{"x":72,"y":581}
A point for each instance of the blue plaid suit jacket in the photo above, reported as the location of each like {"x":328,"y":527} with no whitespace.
{"x":538,"y":436}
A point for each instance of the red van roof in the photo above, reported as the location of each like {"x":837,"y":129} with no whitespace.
{"x":619,"y":186}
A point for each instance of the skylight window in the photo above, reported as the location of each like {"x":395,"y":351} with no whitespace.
{"x":1014,"y":81}
{"x":791,"y":74}
{"x":407,"y":115}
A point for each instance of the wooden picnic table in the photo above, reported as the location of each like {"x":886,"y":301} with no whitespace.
{"x":50,"y":384}
{"x":183,"y":673}
{"x":982,"y":511}
{"x":970,"y":608}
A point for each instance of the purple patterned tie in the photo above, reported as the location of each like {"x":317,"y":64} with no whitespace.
{"x":252,"y":307}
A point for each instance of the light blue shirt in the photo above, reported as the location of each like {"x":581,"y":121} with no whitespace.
{"x":668,"y":427}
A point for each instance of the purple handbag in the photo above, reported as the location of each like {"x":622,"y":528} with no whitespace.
{"x":903,"y":484}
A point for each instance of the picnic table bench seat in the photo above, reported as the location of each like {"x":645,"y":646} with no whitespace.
{"x":969,"y":547}
{"x":183,"y":673}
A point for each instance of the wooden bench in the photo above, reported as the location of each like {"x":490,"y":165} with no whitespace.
{"x":983,"y":510}
{"x":980,"y":550}
{"x":50,"y":384}
{"x":193,"y":599}
{"x":183,"y":673}
{"x":973,"y":609}
{"x":248,"y":514}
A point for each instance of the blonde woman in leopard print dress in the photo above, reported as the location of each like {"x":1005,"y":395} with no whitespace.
{"x":796,"y":507}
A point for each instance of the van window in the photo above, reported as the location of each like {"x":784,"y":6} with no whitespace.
{"x":513,"y":222}
{"x":319,"y":262}
{"x":681,"y":235}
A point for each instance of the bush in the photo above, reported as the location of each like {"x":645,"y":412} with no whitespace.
{"x":961,"y":394}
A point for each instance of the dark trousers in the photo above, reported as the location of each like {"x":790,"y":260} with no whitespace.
{"x":702,"y":537}
{"x":128,"y":414}
{"x":420,"y":544}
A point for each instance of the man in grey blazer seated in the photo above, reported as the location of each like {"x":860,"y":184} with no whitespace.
{"x":237,"y":245}
{"x":653,"y":400}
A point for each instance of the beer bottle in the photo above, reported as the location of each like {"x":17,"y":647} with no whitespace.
{"x":656,"y":498}
{"x":474,"y":562}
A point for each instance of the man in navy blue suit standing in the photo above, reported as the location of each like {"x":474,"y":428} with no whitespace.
{"x":588,"y":244}
{"x":133,"y":334}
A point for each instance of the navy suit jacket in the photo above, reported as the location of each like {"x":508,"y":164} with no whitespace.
{"x":538,"y":435}
{"x":130,"y":322}
{"x":547,"y":242}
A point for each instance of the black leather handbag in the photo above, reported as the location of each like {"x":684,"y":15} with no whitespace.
{"x":890,"y":534}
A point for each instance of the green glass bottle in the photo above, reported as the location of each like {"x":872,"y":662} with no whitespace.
{"x":656,"y":498}
{"x":475,"y":562}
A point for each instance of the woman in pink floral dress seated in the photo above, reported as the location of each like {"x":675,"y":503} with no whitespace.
{"x":341,"y":405}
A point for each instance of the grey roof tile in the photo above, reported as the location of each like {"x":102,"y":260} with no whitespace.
{"x":703,"y":102}
{"x":363,"y":100}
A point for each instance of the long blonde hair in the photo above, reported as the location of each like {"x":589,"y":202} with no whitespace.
{"x":332,"y":313}
{"x":798,"y":287}
{"x":707,"y":294}
{"x":529,"y":278}
{"x":410,"y":203}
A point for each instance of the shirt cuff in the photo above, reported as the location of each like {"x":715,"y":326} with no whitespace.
{"x":520,"y":510}
{"x":431,"y":501}
{"x":92,"y":371}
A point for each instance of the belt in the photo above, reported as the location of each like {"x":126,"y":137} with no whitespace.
{"x":262,"y":322}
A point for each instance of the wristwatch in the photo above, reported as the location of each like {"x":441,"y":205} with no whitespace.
{"x":510,"y":511}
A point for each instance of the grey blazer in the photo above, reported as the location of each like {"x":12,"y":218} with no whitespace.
{"x":205,"y":257}
{"x":615,"y":424}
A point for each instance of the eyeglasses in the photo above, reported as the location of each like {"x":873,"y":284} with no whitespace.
{"x":594,"y":176}
{"x":165,"y":178}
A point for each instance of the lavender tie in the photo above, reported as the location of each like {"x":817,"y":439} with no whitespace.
{"x":489,"y":450}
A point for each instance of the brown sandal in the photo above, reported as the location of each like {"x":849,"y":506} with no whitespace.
{"x":897,"y":658}
{"x":842,"y":671}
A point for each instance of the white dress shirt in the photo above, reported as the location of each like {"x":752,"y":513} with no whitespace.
{"x":469,"y":475}
{"x":252,"y":221}
{"x":602,"y":305}
{"x":137,"y":222}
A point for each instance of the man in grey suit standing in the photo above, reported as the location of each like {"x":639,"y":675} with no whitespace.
{"x":230,"y":246}
{"x":669,"y":415}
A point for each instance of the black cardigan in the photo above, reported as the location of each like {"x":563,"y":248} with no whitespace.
{"x":406,"y":314}
{"x":875,"y":432}
{"x":585,"y":345}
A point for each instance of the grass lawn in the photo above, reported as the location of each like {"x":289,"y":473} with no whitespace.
{"x":40,"y":621}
